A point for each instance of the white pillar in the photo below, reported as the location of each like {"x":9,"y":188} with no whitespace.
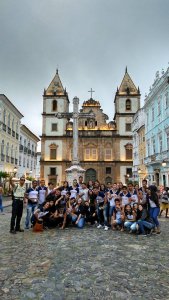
{"x":75,"y":160}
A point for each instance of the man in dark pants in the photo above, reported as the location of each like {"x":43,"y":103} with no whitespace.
{"x":17,"y":205}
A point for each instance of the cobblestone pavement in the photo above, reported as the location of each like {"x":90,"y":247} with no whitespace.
{"x":83,"y":264}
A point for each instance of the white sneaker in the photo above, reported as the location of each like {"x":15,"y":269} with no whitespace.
{"x":99,"y":226}
{"x":106,"y":228}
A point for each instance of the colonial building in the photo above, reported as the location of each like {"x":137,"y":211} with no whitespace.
{"x":157,"y":130}
{"x":105,"y":148}
{"x":27,"y":152}
{"x":139,"y":147}
{"x":10,"y":118}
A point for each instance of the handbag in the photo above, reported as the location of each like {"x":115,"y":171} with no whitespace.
{"x":165,"y":198}
{"x":38,"y":227}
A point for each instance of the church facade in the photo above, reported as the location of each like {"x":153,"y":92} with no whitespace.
{"x":105,"y":147}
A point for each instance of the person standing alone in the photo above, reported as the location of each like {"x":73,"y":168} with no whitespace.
{"x":17,"y":204}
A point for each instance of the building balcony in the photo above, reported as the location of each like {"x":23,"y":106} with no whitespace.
{"x":20,"y":148}
{"x":9,"y":130}
{"x":4,"y":127}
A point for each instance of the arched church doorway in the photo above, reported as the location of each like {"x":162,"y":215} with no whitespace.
{"x":90,"y":175}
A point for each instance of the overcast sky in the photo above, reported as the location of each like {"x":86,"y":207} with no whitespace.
{"x":90,"y":41}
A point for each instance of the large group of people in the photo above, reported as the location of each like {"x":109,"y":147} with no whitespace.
{"x":114,"y":206}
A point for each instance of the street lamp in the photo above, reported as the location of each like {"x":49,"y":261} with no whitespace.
{"x":139,"y":170}
{"x":163,"y":163}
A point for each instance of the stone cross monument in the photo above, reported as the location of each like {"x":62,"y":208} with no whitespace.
{"x":75,"y":170}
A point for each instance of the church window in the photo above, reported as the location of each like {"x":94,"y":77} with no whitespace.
{"x":128,"y":104}
{"x":54,"y":105}
{"x":90,"y":154}
{"x":129,"y":151}
{"x":53,"y":171}
{"x":53,"y":151}
{"x":108,"y":154}
{"x":128,"y":126}
{"x":54,"y":126}
{"x":129,"y":172}
{"x":108,"y":170}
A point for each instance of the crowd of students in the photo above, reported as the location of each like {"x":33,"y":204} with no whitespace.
{"x":113,"y":206}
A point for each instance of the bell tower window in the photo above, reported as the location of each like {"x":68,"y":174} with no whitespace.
{"x":128,"y":104}
{"x":54,"y":105}
{"x":129,"y":151}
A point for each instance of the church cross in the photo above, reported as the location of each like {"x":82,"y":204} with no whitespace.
{"x":75,"y":116}
{"x":91,"y":91}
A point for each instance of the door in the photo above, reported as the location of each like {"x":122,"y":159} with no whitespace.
{"x":90,"y":175}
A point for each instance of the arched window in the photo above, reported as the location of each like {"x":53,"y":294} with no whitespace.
{"x":129,"y":151}
{"x":128,"y":104}
{"x":54,"y":105}
{"x":53,"y":151}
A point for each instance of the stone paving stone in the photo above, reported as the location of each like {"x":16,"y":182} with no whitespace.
{"x":83,"y":264}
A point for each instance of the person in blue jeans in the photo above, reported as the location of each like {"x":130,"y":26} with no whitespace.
{"x":144,"y":221}
{"x":32,"y":200}
{"x":79,"y":219}
{"x":1,"y":192}
{"x":153,"y":206}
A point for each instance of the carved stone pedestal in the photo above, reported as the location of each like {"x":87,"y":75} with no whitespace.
{"x":73,"y":173}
